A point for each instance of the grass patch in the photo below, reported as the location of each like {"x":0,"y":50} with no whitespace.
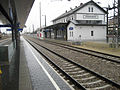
{"x":101,"y":47}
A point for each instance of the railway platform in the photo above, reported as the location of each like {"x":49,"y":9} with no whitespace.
{"x":35,"y":73}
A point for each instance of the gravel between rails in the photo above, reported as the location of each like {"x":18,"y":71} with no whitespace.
{"x":108,"y":69}
{"x":102,"y":85}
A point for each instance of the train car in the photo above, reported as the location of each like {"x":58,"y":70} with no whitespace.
{"x":40,"y":34}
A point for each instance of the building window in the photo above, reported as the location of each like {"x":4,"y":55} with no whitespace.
{"x":72,"y":34}
{"x":90,"y":22}
{"x":72,"y":18}
{"x":64,"y":20}
{"x":89,"y":9}
{"x":92,"y":33}
{"x":87,"y":22}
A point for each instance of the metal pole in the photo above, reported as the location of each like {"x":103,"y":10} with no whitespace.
{"x":114,"y":27}
{"x":107,"y":24}
{"x":40,"y":15}
{"x":12,"y":33}
{"x":33,"y":28}
{"x":45,"y":20}
{"x":118,"y":21}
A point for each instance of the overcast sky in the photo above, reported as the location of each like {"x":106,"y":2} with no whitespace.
{"x":53,"y":9}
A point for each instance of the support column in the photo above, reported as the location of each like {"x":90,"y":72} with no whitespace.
{"x":50,"y":33}
{"x":55,"y":33}
{"x":107,"y":39}
{"x":66,"y":34}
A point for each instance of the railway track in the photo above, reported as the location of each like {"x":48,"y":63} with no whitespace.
{"x":5,"y":41}
{"x":105,"y":56}
{"x":79,"y":75}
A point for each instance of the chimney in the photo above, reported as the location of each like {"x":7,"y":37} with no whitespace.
{"x":66,"y":11}
{"x":70,"y":8}
{"x":81,"y":4}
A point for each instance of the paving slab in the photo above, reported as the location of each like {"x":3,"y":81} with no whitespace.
{"x":24,"y":75}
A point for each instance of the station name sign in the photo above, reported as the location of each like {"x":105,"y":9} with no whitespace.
{"x":20,"y":29}
{"x":89,"y":16}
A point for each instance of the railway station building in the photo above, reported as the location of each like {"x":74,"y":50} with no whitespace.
{"x":84,"y":22}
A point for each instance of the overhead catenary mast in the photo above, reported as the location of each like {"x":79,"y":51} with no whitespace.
{"x":115,"y":24}
{"x":118,"y":21}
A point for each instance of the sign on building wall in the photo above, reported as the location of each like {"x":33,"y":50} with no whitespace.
{"x":70,"y":28}
{"x":20,"y":29}
{"x":87,"y":16}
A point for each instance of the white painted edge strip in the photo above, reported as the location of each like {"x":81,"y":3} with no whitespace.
{"x":51,"y":79}
{"x":59,"y":75}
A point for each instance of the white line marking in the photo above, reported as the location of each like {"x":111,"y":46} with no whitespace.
{"x":51,"y":79}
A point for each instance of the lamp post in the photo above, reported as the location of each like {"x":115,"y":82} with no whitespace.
{"x":45,"y":19}
{"x":33,"y":28}
{"x":40,"y":14}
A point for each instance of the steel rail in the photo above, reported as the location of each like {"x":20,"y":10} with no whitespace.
{"x":76,"y":83}
{"x":88,"y":53}
{"x":4,"y":41}
{"x":86,"y":49}
{"x":81,"y":66}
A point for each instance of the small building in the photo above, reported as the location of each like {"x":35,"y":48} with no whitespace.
{"x":84,"y":22}
{"x":77,"y":31}
{"x":56,"y":31}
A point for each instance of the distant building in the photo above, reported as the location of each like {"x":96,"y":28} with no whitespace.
{"x":85,"y":22}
